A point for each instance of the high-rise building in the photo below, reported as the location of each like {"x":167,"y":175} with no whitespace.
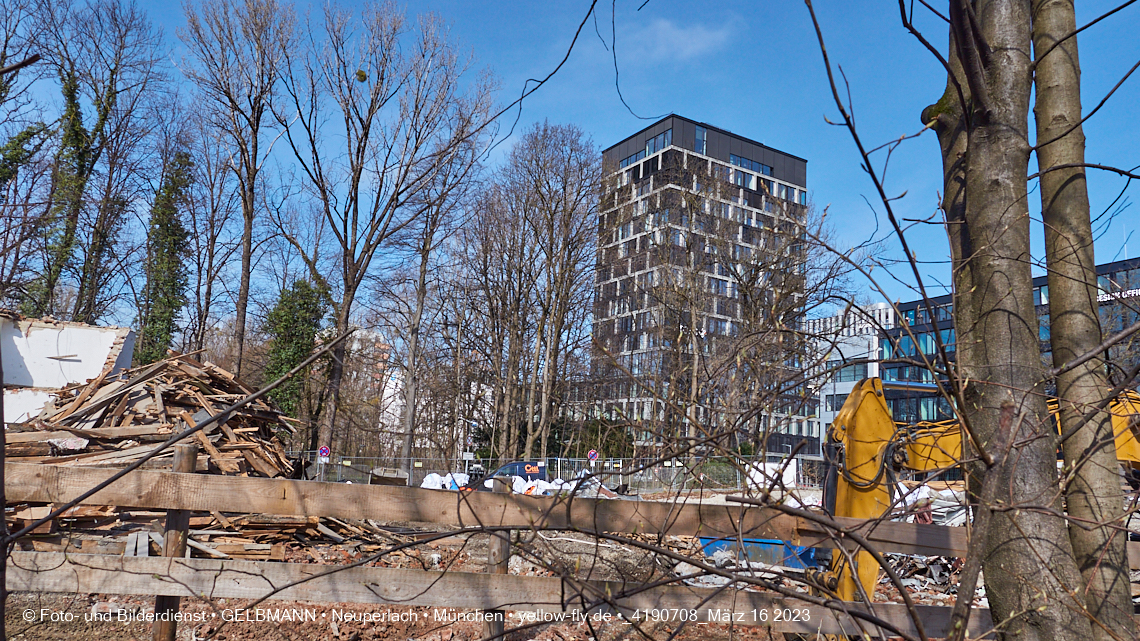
{"x":699,"y":276}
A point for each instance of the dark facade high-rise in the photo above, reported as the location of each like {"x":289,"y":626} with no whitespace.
{"x":699,"y":244}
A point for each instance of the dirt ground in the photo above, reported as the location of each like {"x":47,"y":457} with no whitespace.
{"x":118,"y":618}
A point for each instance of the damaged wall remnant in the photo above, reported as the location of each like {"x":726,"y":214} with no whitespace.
{"x":46,"y":354}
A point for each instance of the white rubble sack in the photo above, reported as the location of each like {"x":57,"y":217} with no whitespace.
{"x":764,"y":474}
{"x":452,"y":481}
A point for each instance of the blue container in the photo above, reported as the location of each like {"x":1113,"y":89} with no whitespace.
{"x":770,"y":551}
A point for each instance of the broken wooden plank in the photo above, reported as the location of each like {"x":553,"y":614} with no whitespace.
{"x":120,"y":388}
{"x":29,"y":448}
{"x":206,"y":549}
{"x":85,"y":393}
{"x":260,"y":464}
{"x":12,"y":438}
{"x":329,"y":533}
{"x":131,"y":431}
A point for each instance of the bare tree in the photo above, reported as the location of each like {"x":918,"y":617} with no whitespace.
{"x":439,"y":203}
{"x":212,"y":201}
{"x":499,"y":262}
{"x":397,"y":92}
{"x":553,"y":176}
{"x":239,"y":51}
{"x":106,"y":53}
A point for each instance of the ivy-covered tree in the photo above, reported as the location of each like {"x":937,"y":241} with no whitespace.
{"x":292,"y":326}
{"x":19,"y":150}
{"x":166,"y":277}
{"x":73,"y":166}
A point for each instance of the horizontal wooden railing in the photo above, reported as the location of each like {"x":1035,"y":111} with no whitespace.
{"x":199,"y":492}
{"x":214,"y":579}
{"x":202,"y":492}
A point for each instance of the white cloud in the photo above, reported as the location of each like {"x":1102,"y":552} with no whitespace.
{"x":663,"y":39}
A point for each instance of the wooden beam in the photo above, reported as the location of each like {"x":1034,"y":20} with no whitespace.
{"x":103,"y":432}
{"x":174,"y":543}
{"x":165,"y":490}
{"x":26,"y":482}
{"x":215,"y":578}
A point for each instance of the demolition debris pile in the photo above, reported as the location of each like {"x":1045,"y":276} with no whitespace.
{"x":115,"y":420}
{"x":106,"y":529}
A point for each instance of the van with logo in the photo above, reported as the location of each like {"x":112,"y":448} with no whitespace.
{"x":529,"y":470}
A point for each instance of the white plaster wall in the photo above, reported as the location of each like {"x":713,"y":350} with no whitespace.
{"x":46,"y":355}
{"x":21,"y":405}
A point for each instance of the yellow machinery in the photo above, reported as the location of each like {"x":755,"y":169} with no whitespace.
{"x":865,"y":445}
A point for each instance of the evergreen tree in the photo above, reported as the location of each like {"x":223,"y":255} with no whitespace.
{"x":166,"y":276}
{"x":292,"y":326}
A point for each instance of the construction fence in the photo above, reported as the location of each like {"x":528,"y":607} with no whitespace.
{"x":641,"y":475}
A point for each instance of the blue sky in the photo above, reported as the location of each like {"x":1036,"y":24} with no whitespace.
{"x":755,"y":69}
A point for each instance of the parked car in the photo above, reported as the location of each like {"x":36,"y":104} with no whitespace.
{"x":529,"y":470}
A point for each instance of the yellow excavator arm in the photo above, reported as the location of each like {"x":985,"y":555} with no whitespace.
{"x":865,"y":444}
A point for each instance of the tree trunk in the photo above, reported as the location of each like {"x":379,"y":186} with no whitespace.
{"x":548,"y":373}
{"x":336,"y":376}
{"x":1092,"y":493}
{"x":243,"y":287}
{"x":509,"y":433}
{"x":92,"y":274}
{"x":411,"y":379}
{"x":1027,"y":557}
{"x":693,"y":368}
{"x":533,"y":387}
{"x":3,"y":526}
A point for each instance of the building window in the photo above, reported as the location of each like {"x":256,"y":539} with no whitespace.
{"x":658,"y":142}
{"x":948,"y":340}
{"x":757,"y":167}
{"x":849,"y":373}
{"x":834,"y":402}
{"x":632,"y":159}
{"x":702,"y":135}
{"x":926,"y":343}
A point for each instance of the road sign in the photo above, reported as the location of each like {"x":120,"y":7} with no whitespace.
{"x":324,"y":452}
{"x":323,"y":460}
{"x":592,"y":455}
